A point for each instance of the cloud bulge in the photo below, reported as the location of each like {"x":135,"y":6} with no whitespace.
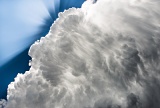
{"x":103,"y":55}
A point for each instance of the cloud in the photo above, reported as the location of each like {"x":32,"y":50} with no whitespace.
{"x":3,"y":103}
{"x":104,"y":55}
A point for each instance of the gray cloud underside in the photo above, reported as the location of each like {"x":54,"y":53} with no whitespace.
{"x":2,"y":103}
{"x":104,"y":55}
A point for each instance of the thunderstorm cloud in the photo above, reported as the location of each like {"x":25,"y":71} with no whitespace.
{"x":103,"y":55}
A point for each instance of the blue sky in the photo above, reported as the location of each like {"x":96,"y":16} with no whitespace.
{"x":22,"y":22}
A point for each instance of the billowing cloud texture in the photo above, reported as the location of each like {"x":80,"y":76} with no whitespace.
{"x":103,"y":55}
{"x":2,"y":103}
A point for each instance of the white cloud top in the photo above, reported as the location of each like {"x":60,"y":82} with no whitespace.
{"x":104,"y":55}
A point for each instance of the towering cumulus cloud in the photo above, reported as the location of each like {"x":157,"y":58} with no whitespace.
{"x":103,"y":55}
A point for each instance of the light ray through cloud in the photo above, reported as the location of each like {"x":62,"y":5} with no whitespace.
{"x":103,"y":55}
{"x":21,"y":24}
